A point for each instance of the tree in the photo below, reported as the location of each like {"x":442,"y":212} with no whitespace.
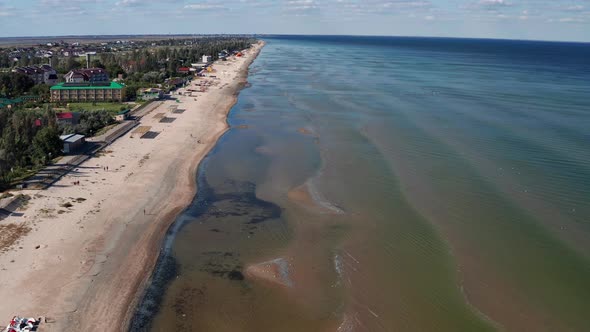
{"x":46,"y":145}
{"x":15,"y":84}
{"x":97,"y":64}
{"x":41,"y":90}
{"x":115,"y":69}
{"x":21,"y":83}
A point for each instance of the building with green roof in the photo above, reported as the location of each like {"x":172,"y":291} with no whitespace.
{"x":5,"y":102}
{"x":83,"y":92}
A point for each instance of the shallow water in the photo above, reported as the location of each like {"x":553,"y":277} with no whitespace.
{"x":390,"y":184}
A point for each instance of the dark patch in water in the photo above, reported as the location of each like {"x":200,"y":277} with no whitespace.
{"x":223,"y":265}
{"x":235,"y":275}
{"x":186,"y":301}
{"x":166,"y":270}
{"x":232,"y":199}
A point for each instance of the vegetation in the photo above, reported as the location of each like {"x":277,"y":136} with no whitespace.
{"x":112,"y":108}
{"x":29,"y":134}
{"x":149,"y":66}
{"x":15,"y":84}
{"x":28,"y":139}
{"x":90,"y":123}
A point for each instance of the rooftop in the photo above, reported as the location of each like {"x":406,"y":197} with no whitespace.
{"x":112,"y":86}
{"x":64,"y":115}
{"x":71,"y":138}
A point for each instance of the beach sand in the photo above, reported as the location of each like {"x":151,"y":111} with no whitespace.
{"x":92,"y":247}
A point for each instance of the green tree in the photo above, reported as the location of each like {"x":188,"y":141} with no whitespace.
{"x":97,"y":64}
{"x":41,"y":90}
{"x":46,"y":145}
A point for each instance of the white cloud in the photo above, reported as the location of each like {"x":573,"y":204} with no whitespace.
{"x":493,"y":4}
{"x":129,"y":3}
{"x":206,"y":6}
{"x":571,"y":20}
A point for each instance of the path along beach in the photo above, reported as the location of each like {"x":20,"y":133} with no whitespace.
{"x":90,"y":248}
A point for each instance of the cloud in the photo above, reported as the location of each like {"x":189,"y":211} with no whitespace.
{"x":493,"y":4}
{"x":297,"y":5}
{"x":571,"y":20}
{"x":6,"y":10}
{"x":575,"y":8}
{"x":129,"y":3}
{"x":208,"y":6}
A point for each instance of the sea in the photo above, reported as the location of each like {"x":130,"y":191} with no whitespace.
{"x":390,"y":184}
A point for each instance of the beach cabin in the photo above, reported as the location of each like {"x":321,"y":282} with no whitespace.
{"x":72,"y":142}
{"x":122,"y":115}
{"x":150,"y":94}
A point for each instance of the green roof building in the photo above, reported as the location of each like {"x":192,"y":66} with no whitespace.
{"x":83,"y":92}
{"x":5,"y":102}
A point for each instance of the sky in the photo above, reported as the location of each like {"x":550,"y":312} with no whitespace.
{"x":563,"y":20}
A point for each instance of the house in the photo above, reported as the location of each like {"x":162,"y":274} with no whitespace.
{"x":207,"y":59}
{"x":44,"y":74}
{"x":91,"y":75}
{"x":49,"y":75}
{"x":72,"y":142}
{"x":72,"y":118}
{"x":74,"y":77}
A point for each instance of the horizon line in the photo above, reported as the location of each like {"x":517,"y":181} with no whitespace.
{"x":293,"y":34}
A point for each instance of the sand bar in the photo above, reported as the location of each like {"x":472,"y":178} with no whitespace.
{"x":92,"y":247}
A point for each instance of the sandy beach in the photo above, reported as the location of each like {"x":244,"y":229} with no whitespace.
{"x":91,"y":247}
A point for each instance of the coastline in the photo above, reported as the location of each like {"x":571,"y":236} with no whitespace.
{"x":159,"y":236}
{"x":119,"y":238}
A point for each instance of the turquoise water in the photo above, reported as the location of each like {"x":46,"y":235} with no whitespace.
{"x":391,"y":184}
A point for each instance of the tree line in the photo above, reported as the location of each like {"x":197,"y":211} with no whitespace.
{"x":28,"y":139}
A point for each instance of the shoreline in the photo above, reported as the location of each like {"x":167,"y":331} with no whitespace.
{"x":142,"y":284}
{"x":117,"y":234}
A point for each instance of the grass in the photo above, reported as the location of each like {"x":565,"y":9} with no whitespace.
{"x":112,"y":108}
{"x":105,"y":129}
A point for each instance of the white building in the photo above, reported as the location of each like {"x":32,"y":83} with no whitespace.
{"x":207,"y":58}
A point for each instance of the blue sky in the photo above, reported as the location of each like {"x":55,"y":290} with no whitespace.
{"x":529,"y":19}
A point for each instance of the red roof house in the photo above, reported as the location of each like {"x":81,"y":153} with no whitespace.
{"x":183,"y":70}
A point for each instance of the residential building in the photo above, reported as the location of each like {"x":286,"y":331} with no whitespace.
{"x":207,"y":58}
{"x":91,"y":75}
{"x":81,"y":92}
{"x":44,"y":74}
{"x":72,"y":118}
